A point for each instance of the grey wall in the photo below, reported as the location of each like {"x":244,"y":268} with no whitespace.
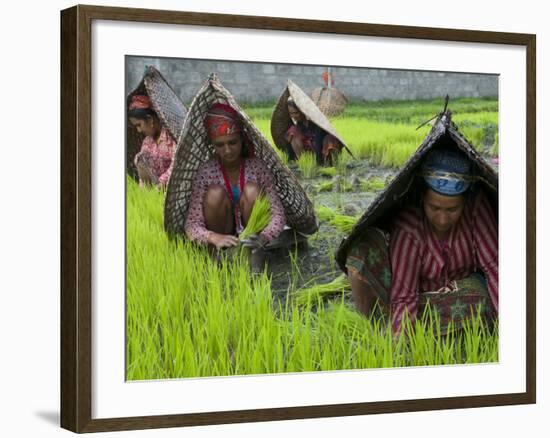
{"x":256,"y":82}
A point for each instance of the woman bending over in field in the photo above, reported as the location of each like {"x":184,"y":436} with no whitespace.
{"x":154,"y":160}
{"x":442,"y":251}
{"x":305,"y":136}
{"x":226,"y":187}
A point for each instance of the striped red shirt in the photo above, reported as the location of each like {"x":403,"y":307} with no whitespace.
{"x":421,"y":263}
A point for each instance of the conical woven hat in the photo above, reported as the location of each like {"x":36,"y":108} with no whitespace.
{"x":194,"y":148}
{"x":280,"y":120}
{"x":330,"y":101}
{"x":166,"y":104}
{"x":389,"y":201}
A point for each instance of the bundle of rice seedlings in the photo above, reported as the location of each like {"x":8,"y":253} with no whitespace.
{"x":259,"y":218}
{"x":325,"y":187}
{"x":372,"y":184}
{"x":343,"y":222}
{"x":342,"y":161}
{"x":307,"y":164}
{"x":311,"y":295}
{"x":327,"y":171}
{"x":324,"y":213}
{"x":282,"y":155}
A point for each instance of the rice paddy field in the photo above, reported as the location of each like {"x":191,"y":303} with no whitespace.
{"x":193,"y":315}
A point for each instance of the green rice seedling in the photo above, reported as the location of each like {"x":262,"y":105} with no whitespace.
{"x":325,"y":213}
{"x":341,"y":184}
{"x":307,"y":163}
{"x":371,"y":139}
{"x":475,"y":135}
{"x":327,"y":171}
{"x":343,"y":222}
{"x":307,"y":296}
{"x":259,"y":217}
{"x":341,"y":163}
{"x":476,"y":118}
{"x":397,"y":153}
{"x":416,"y":111}
{"x":190,"y":314}
{"x":374,"y":183}
{"x":331,"y":250}
{"x":295,"y":272}
{"x":283,"y":156}
{"x":264,"y":126}
{"x":475,"y":333}
{"x":259,"y":111}
{"x":325,"y":186}
{"x":373,"y":129}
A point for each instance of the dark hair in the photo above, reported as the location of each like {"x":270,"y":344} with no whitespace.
{"x":245,"y":146}
{"x":142,"y":113}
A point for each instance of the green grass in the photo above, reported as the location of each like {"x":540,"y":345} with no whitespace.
{"x":383,"y":143}
{"x":406,"y":111}
{"x":385,"y":132}
{"x":190,"y":315}
{"x":307,"y":163}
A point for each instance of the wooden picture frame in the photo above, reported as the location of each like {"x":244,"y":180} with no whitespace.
{"x":76,"y":218}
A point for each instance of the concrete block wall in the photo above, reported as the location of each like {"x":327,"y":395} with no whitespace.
{"x":258,"y":82}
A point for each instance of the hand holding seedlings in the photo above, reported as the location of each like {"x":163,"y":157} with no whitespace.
{"x":222,"y":240}
{"x":254,"y":241}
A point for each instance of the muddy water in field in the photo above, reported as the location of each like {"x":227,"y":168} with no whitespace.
{"x":314,"y":262}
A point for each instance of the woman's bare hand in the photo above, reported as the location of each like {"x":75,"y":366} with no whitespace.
{"x":223,"y":240}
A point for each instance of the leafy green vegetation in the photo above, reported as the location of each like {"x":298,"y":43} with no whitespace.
{"x":192,"y":314}
{"x":259,"y":218}
{"x":386,"y":132}
{"x":307,"y":163}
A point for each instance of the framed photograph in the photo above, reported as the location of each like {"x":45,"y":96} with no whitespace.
{"x":168,"y":320}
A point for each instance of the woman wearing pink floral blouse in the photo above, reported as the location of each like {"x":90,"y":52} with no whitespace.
{"x":154,"y":160}
{"x":226,"y":187}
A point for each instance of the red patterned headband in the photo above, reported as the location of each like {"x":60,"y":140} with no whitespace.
{"x":221,"y":119}
{"x":140,"y":101}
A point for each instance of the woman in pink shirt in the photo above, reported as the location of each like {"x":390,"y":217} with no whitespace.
{"x":154,"y":160}
{"x":226,"y":187}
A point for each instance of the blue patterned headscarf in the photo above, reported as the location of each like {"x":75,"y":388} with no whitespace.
{"x":447,"y":172}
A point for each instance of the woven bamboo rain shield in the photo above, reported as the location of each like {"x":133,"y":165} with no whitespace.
{"x":381,"y":210}
{"x":330,"y":101}
{"x":194,"y":148}
{"x":281,"y":121}
{"x":166,"y":104}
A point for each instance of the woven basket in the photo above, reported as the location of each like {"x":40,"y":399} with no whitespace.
{"x":166,"y":104}
{"x":330,"y":101}
{"x":194,"y":148}
{"x":395,"y":196}
{"x":281,"y":121}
